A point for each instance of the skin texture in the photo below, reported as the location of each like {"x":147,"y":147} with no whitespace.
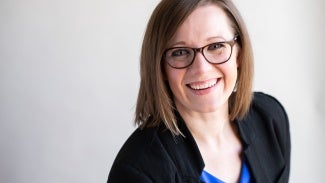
{"x":205,"y":111}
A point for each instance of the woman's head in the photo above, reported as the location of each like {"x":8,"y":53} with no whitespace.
{"x":155,"y":103}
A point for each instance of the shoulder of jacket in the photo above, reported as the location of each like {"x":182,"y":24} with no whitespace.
{"x":140,"y":141}
{"x":269,"y":106}
{"x":141,"y":149}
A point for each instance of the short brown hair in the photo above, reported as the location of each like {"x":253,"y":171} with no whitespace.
{"x":155,"y":103}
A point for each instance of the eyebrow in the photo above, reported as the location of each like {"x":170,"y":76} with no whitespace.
{"x":178,"y":43}
{"x":208,"y":40}
{"x":216,"y":37}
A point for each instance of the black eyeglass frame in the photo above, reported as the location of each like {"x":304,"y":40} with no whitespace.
{"x":195,"y":50}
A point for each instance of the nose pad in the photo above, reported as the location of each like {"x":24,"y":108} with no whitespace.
{"x":198,"y":50}
{"x":199,"y":55}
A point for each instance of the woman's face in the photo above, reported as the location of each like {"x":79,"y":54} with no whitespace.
{"x":203,"y":87}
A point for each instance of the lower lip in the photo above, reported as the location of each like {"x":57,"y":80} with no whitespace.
{"x":206,"y":90}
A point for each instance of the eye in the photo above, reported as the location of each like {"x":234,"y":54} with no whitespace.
{"x":179,"y":52}
{"x":216,"y":46}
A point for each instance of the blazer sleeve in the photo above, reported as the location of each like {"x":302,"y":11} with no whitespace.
{"x":281,"y":129}
{"x":127,"y":173}
{"x":285,"y":141}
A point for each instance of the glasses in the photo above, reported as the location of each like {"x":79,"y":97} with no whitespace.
{"x":215,"y":53}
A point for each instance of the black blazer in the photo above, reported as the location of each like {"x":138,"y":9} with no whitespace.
{"x":155,"y":155}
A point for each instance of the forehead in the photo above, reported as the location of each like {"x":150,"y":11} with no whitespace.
{"x":204,"y":23}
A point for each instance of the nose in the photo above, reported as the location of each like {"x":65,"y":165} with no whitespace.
{"x":200,"y":64}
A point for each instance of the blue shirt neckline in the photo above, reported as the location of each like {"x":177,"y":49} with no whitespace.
{"x":245,"y":177}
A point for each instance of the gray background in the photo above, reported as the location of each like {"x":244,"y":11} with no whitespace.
{"x":69,"y":80}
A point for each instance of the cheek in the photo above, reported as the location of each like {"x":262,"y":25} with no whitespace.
{"x":169,"y":75}
{"x":233,"y":62}
{"x":174,"y":78}
{"x":230,"y":70}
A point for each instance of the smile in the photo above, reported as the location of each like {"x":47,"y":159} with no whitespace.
{"x":202,"y":85}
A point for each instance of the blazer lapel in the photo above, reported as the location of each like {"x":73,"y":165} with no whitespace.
{"x":248,"y":137}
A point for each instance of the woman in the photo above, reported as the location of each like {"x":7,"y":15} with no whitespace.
{"x":198,"y":118}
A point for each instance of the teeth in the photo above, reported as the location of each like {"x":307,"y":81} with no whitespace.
{"x":204,"y":85}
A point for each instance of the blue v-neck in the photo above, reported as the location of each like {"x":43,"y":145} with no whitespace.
{"x":245,"y":177}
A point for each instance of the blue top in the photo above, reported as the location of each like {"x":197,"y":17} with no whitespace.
{"x":244,"y":177}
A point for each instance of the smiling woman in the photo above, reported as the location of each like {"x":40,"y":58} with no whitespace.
{"x":199,"y":120}
{"x":190,"y":85}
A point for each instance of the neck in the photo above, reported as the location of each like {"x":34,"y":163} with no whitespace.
{"x":206,"y":127}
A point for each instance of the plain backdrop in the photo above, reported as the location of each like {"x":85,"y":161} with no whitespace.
{"x":69,"y":77}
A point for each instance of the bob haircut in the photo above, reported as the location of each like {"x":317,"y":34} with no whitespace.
{"x":155,"y":105}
